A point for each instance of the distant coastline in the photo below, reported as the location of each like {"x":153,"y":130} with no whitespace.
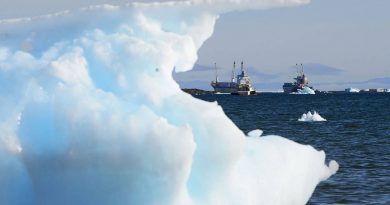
{"x":196,"y":91}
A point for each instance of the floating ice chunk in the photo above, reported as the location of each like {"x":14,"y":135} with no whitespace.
{"x":352,"y":90}
{"x":333,"y":167}
{"x":309,"y":117}
{"x":255,"y":133}
{"x":305,"y":90}
{"x":218,"y":93}
{"x":281,"y":161}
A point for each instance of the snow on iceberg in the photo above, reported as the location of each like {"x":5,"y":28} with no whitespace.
{"x":90,"y":114}
{"x":305,"y":90}
{"x":352,"y":90}
{"x":309,"y":117}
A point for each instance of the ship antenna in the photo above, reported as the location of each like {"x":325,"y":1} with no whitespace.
{"x":216,"y":72}
{"x":242,"y":66}
{"x":234,"y":68}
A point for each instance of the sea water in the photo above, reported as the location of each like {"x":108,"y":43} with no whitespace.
{"x":356,"y":134}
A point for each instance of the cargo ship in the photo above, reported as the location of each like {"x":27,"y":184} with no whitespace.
{"x":239,"y":85}
{"x":301,"y":81}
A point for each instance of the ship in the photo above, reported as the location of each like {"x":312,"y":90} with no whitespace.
{"x":239,"y":84}
{"x":301,"y":81}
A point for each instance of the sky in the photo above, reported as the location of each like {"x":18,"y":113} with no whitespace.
{"x":351,"y":37}
{"x":340,"y":43}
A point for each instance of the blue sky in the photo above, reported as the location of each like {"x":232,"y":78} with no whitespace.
{"x":351,"y":36}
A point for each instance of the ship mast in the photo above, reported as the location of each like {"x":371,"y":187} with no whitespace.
{"x":234,"y":68}
{"x":301,"y":69}
{"x":216,"y":72}
{"x":242,"y":68}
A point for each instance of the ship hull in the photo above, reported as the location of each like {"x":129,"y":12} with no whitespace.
{"x":289,"y":88}
{"x":293,"y":89}
{"x":224,"y":87}
{"x":231,"y":88}
{"x":224,"y":90}
{"x":245,"y":93}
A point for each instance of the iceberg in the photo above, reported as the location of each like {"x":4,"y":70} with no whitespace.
{"x":309,"y":117}
{"x":90,"y":114}
{"x":352,"y":90}
{"x":305,"y":90}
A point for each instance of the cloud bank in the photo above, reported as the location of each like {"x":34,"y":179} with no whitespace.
{"x":90,"y":114}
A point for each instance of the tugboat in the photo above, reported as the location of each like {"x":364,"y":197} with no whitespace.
{"x":239,"y":85}
{"x":300,"y":83}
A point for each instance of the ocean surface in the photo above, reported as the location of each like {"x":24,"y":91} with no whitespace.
{"x":356,"y":135}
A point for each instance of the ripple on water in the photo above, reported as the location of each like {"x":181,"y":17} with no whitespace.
{"x":356,"y":135}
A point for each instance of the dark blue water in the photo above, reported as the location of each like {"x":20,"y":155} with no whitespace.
{"x":356,"y":135}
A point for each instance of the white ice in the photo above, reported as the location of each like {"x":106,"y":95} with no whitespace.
{"x":255,"y":133}
{"x":90,"y":114}
{"x":305,"y":90}
{"x":352,"y":90}
{"x":309,"y":117}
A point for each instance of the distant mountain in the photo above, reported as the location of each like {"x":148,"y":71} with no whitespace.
{"x":377,"y":81}
{"x":198,"y":67}
{"x":256,"y":74}
{"x":385,"y":80}
{"x":202,"y":72}
{"x":201,"y":76}
{"x":319,"y":69}
{"x":200,"y":84}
